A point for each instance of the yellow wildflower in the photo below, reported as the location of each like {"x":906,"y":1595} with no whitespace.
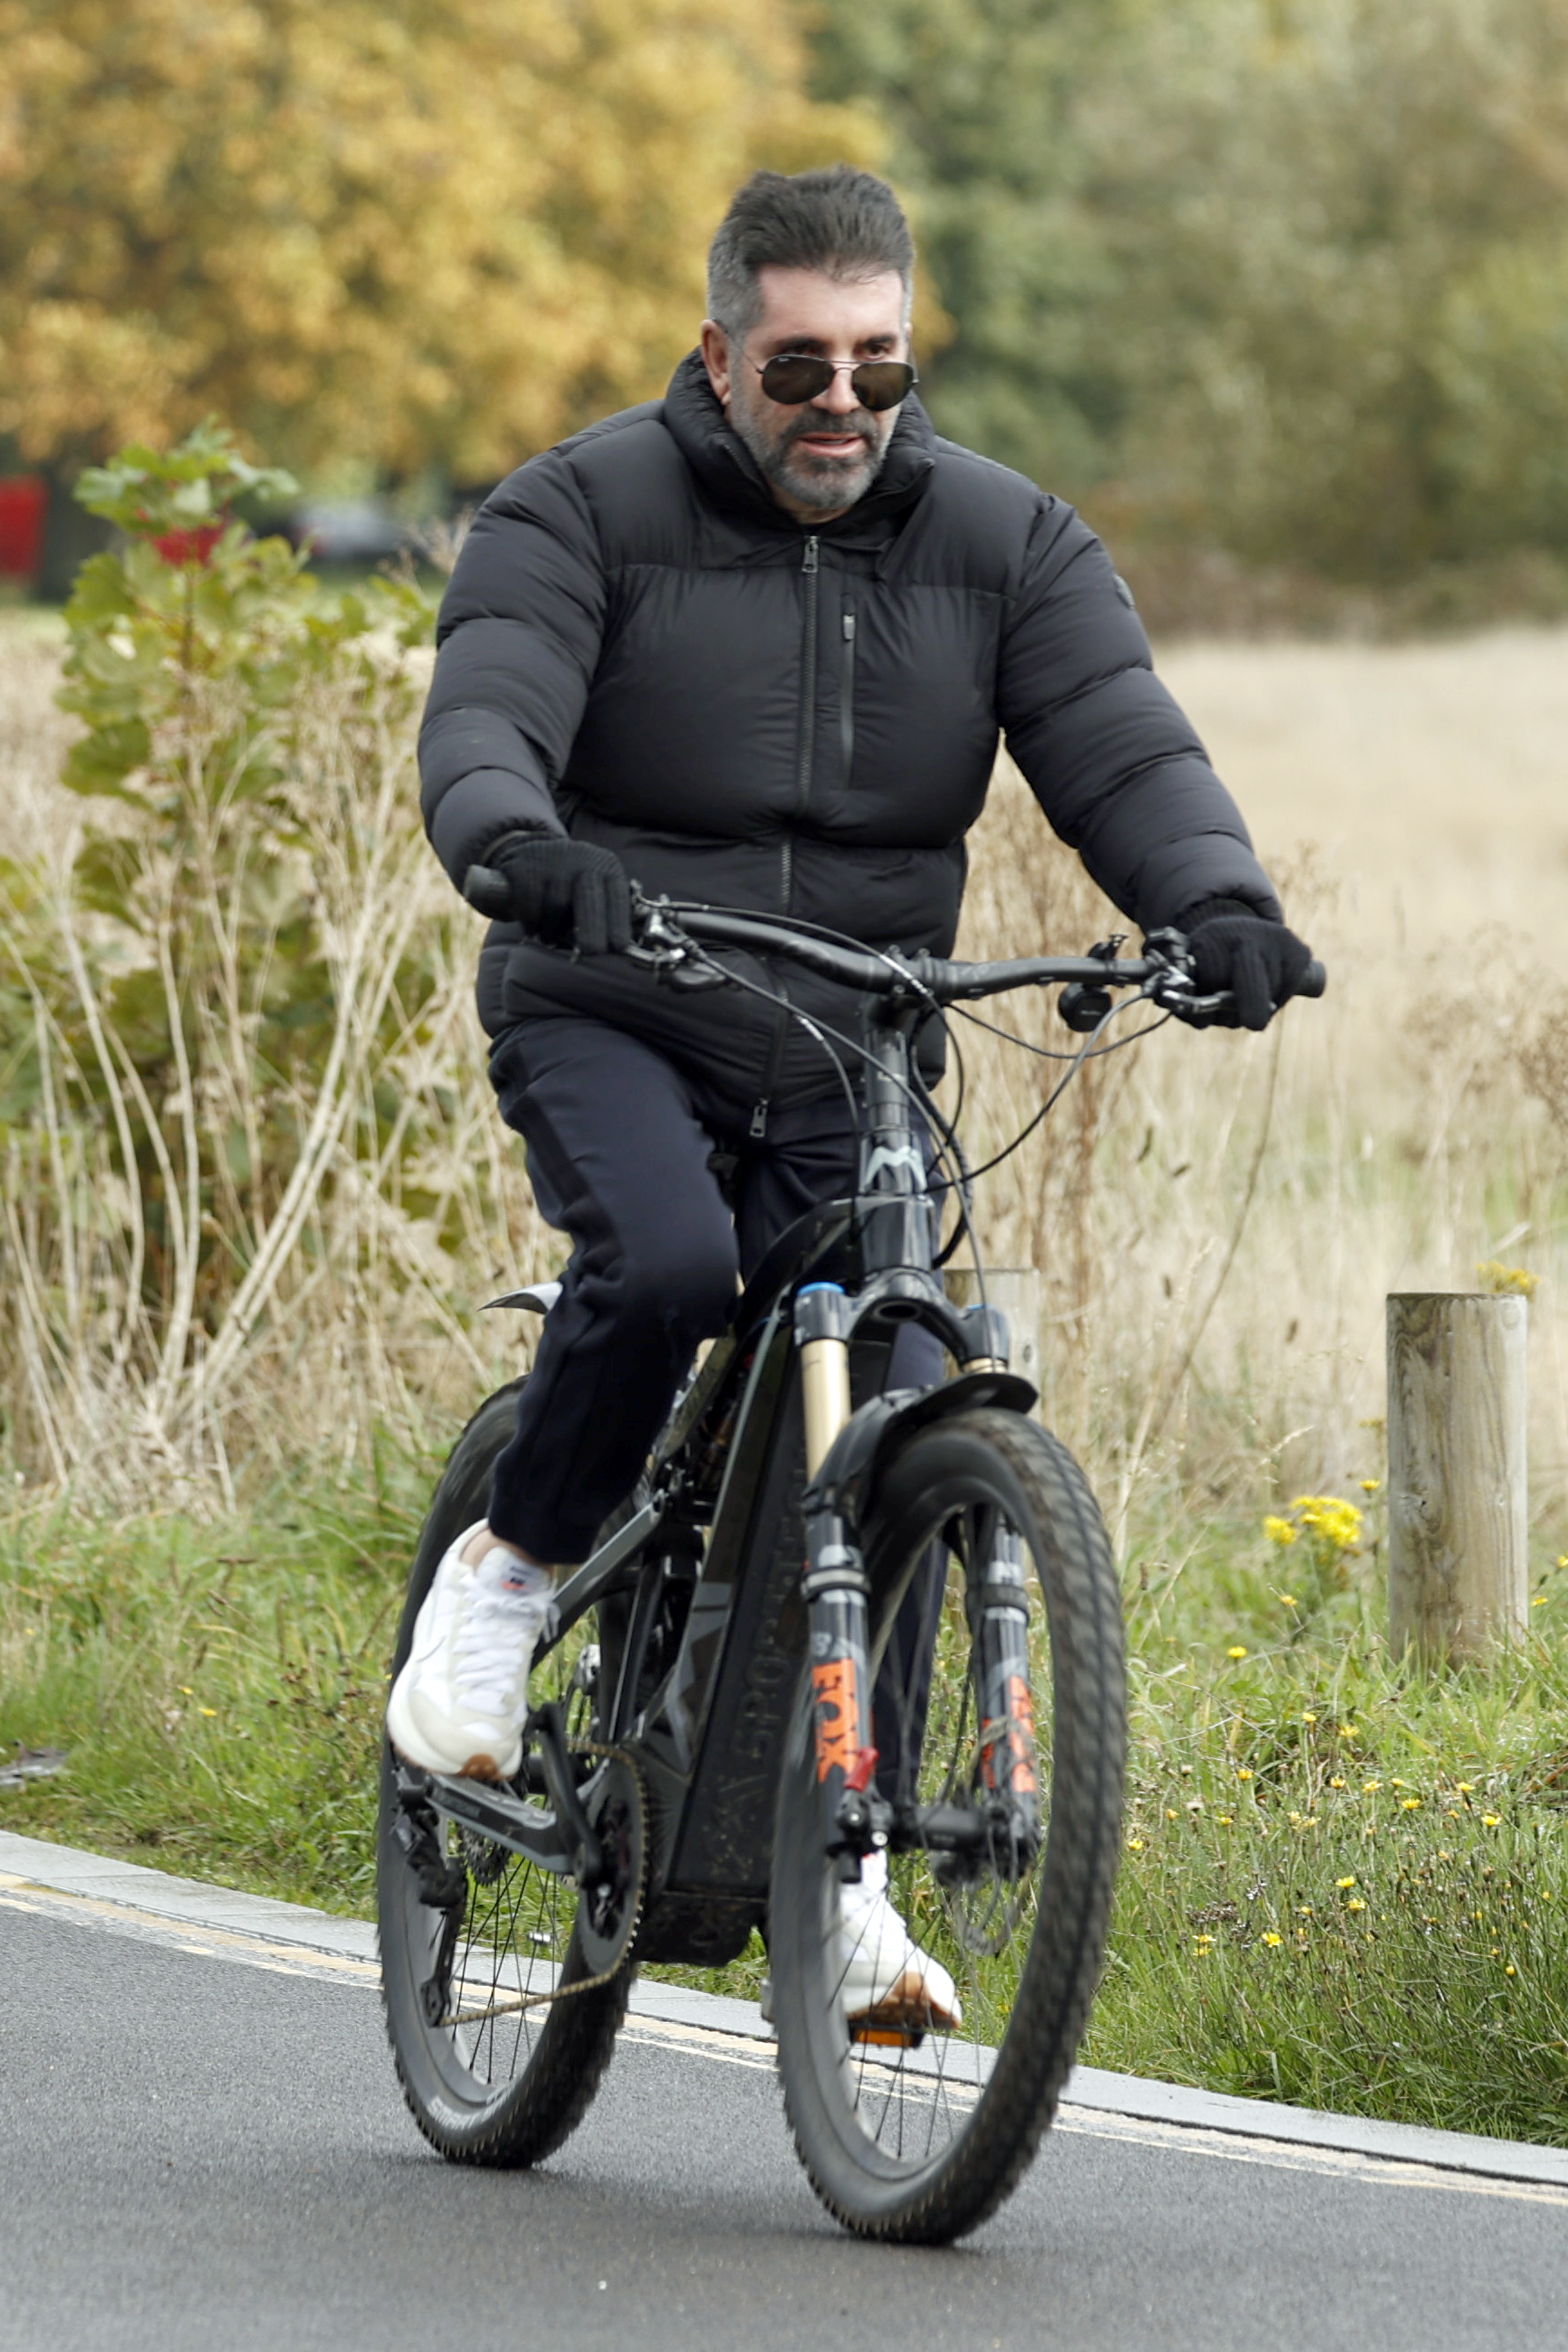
{"x":1344,"y":1882}
{"x":1409,"y":1805}
{"x":1307,"y":1716}
{"x":1236,"y":1651}
{"x":1355,"y":1904}
{"x":1337,"y":1781}
{"x":1331,"y":1517}
{"x":1507,"y":1281}
{"x":1490,"y":1821}
{"x":1272,"y":1939}
{"x":1279,"y":1531}
{"x":1135,"y":1845}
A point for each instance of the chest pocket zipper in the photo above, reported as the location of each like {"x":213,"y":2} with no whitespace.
{"x":846,"y":694}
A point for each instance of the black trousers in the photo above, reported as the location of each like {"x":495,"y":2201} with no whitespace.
{"x":621,"y":1147}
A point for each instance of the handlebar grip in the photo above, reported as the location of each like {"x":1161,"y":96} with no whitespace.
{"x":1314,"y":981}
{"x":487,"y":892}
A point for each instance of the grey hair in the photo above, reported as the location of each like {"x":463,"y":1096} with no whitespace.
{"x":845,"y":223}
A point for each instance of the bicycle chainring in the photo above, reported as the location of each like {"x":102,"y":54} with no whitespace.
{"x":609,"y":1914}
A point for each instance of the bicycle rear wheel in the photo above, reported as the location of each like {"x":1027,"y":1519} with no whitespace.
{"x":498,"y":2055}
{"x":918,"y":2135}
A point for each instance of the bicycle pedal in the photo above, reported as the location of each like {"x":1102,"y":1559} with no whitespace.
{"x":889,"y":2037}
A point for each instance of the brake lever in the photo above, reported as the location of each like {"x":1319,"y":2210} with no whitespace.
{"x":661,"y":947}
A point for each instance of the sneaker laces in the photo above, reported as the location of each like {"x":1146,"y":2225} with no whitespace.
{"x":509,"y":1608}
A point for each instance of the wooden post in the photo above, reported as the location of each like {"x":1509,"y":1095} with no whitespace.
{"x":1458,"y":1476}
{"x":1016,"y":1290}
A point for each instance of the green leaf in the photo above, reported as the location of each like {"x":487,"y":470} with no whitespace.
{"x":101,"y":761}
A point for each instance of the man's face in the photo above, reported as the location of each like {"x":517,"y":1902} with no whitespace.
{"x":822,"y":455}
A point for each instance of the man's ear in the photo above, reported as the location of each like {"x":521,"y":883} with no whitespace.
{"x":716,"y":360}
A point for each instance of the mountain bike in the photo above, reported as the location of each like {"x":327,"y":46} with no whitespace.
{"x":835,"y":1619}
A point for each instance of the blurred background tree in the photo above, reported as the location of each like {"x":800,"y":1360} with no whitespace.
{"x":414,"y":232}
{"x":1282,"y":282}
{"x":1284,"y":278}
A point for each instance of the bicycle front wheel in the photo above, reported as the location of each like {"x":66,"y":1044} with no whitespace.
{"x":918,"y":2135}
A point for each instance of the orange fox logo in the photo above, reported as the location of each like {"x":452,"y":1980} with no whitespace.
{"x":832,"y":1689}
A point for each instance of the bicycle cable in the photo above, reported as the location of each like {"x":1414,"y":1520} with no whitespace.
{"x":1085,"y":1053}
{"x":959,"y":1177}
{"x":1050,"y":1054}
{"x":823,"y":1030}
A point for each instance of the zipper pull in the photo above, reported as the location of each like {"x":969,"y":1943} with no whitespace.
{"x":808,"y":561}
{"x":849,"y":628}
{"x":759,"y":1126}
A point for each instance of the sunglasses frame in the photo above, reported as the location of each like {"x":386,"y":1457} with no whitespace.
{"x":834,"y":367}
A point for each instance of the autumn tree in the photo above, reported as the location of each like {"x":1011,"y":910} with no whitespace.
{"x":413,"y":231}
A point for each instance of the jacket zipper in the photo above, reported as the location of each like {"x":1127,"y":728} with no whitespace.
{"x":809,"y":565}
{"x":846,"y":694}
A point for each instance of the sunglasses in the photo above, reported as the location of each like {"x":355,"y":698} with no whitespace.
{"x":794,"y":377}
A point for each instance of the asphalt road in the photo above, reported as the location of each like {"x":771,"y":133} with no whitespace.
{"x":200,"y":2147}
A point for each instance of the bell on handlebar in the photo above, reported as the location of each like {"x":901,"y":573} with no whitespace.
{"x":1083,"y":1005}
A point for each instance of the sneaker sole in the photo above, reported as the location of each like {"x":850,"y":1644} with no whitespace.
{"x":905,"y":2008}
{"x":480,"y":1766}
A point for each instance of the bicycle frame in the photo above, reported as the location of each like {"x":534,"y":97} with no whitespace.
{"x":761,"y":1473}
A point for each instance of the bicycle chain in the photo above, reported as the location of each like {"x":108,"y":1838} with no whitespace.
{"x":605,"y":1976}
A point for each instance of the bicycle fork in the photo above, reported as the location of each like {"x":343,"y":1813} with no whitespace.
{"x":836,"y":1597}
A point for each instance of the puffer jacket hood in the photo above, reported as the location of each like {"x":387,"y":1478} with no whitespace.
{"x":730,"y":476}
{"x":639,"y":647}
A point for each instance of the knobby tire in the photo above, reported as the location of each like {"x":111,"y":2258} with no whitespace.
{"x":921,"y":2145}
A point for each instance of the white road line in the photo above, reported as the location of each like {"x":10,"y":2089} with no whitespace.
{"x":54,"y":1882}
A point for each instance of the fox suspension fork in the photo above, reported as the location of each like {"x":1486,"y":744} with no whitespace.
{"x":1009,"y":1790}
{"x":854,"y":1818}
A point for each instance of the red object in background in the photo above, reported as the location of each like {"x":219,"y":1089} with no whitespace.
{"x":190,"y":546}
{"x":23,"y":498}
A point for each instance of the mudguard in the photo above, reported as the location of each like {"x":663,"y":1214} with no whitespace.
{"x":848,"y":1478}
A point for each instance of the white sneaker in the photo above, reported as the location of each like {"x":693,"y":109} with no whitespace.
{"x":886,"y":1980}
{"x":459,"y":1705}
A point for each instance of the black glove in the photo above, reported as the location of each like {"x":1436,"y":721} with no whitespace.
{"x":1259,"y":961}
{"x":569,"y":894}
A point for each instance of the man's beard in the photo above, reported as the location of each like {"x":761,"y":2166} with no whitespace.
{"x":823,"y":485}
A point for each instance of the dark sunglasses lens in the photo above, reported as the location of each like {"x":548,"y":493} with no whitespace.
{"x":795,"y":377}
{"x":791,"y":378}
{"x":882,"y":384}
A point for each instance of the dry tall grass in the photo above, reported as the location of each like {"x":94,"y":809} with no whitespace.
{"x":1217,"y":1217}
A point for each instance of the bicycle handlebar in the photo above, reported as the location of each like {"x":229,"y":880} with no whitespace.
{"x":666,"y":930}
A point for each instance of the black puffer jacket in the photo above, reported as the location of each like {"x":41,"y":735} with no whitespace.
{"x":638,"y":646}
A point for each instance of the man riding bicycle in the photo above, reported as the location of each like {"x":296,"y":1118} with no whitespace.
{"x":752,"y":644}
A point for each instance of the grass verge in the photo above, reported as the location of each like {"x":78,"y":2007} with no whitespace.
{"x":1345,"y":1884}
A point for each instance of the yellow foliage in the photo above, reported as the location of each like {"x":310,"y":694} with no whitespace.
{"x":385,"y":230}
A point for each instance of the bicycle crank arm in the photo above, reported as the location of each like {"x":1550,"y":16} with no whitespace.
{"x":546,"y":1839}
